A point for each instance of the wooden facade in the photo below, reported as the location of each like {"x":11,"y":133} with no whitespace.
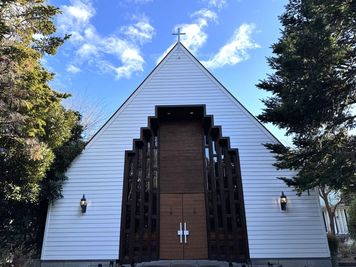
{"x":196,"y":183}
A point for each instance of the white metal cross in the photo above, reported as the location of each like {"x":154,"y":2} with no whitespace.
{"x":179,"y":34}
{"x":185,"y":233}
{"x":182,"y":233}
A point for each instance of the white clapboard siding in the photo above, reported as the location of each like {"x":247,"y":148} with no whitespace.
{"x":98,"y":173}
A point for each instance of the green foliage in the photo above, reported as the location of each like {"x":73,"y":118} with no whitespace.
{"x":51,"y":185}
{"x":314,"y":84}
{"x":352,"y":219}
{"x":314,"y":93}
{"x":38,"y":136}
{"x":323,"y":161}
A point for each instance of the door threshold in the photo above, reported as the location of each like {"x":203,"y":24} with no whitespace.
{"x":187,"y":263}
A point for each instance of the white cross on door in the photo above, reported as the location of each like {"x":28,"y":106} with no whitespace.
{"x":182,"y":233}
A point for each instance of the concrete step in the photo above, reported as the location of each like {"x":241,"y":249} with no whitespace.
{"x":347,"y":264}
{"x":187,"y":263}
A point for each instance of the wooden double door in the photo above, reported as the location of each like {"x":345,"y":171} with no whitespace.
{"x":183,"y":227}
{"x":183,"y":232}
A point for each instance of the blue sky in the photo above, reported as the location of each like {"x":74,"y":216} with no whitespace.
{"x":116,"y":44}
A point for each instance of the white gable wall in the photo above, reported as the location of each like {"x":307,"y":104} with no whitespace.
{"x":98,"y":173}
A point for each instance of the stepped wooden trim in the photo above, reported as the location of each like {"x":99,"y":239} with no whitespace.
{"x":225,"y":212}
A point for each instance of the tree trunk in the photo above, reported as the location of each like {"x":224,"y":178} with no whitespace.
{"x":331,"y":215}
{"x":333,"y":254}
{"x":330,"y":211}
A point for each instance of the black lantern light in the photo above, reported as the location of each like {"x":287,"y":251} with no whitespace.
{"x":83,"y":204}
{"x":283,"y":201}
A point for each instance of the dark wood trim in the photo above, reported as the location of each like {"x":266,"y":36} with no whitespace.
{"x":231,"y":193}
{"x":157,"y":195}
{"x":220,"y":180}
{"x":150,"y":195}
{"x":206,"y":181}
{"x":229,"y":242}
{"x":211,"y":171}
{"x":123,"y":203}
{"x":142,"y":194}
{"x":133,"y":206}
{"x":225,"y":212}
{"x":242,"y":206}
{"x":137,"y":235}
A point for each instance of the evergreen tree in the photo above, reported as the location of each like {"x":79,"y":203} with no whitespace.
{"x":314,"y":95}
{"x":38,"y":136}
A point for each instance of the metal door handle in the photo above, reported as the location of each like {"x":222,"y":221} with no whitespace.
{"x":180,"y":233}
{"x":185,"y":232}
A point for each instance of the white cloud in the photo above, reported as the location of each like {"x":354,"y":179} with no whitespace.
{"x":195,"y":36}
{"x":132,"y":62}
{"x":81,"y":13}
{"x":204,"y":14}
{"x":90,"y":33}
{"x":75,"y":18}
{"x":138,"y":1}
{"x":127,"y":53}
{"x":233,"y":52}
{"x":142,"y":31}
{"x":216,"y":3}
{"x":87,"y":51}
{"x":73,"y":69}
{"x":236,"y":50}
{"x":99,"y":51}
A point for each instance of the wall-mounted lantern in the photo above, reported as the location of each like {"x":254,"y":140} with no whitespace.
{"x":83,"y":204}
{"x":283,"y":200}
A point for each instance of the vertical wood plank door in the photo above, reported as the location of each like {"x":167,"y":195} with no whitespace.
{"x":187,"y":209}
{"x":195,"y":219}
{"x":182,"y":190}
{"x":171,"y":214}
{"x":181,"y":157}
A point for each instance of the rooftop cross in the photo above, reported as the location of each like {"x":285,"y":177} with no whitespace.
{"x":179,"y":34}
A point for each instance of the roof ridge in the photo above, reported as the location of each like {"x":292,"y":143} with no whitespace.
{"x":137,"y":88}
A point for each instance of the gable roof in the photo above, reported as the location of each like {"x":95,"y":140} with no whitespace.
{"x":179,"y":79}
{"x":209,"y":74}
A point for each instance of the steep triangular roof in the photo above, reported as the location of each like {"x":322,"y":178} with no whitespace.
{"x":209,"y":74}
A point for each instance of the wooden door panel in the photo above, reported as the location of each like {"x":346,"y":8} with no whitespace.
{"x":195,"y":218}
{"x":181,"y":177}
{"x":181,"y":157}
{"x":170,"y":216}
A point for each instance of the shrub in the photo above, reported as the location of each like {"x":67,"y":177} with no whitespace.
{"x":333,"y":244}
